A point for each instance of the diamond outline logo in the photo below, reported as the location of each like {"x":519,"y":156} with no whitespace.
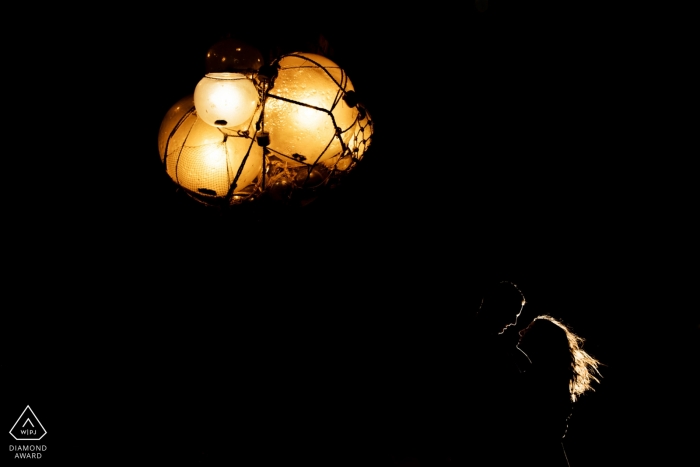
{"x":30,"y":422}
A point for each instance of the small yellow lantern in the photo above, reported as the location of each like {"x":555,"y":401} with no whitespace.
{"x":225,"y":100}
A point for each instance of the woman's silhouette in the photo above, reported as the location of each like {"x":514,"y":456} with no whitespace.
{"x":561,"y":372}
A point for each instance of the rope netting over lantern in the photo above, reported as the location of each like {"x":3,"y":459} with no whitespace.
{"x":307,"y":130}
{"x":213,"y":165}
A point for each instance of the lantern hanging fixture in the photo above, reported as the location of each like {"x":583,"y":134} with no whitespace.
{"x":283,"y":132}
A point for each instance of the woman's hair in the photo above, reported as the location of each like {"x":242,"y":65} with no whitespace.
{"x":583,"y":367}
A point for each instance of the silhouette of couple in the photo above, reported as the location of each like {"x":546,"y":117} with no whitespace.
{"x":504,"y":404}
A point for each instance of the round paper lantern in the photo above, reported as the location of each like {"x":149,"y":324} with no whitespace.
{"x":225,"y":99}
{"x":204,"y":160}
{"x":306,"y":114}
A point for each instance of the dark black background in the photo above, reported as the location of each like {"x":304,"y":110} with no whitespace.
{"x":507,"y":147}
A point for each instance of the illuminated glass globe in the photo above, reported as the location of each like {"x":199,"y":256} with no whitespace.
{"x":204,"y":160}
{"x":306,"y":113}
{"x":225,"y":100}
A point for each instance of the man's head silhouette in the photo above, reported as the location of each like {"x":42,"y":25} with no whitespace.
{"x":500,"y":307}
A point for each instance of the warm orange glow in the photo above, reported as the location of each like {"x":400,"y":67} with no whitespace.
{"x":308,"y":129}
{"x":358,"y":138}
{"x":225,"y":99}
{"x":344,"y":163}
{"x":200,"y":157}
{"x":176,"y":113}
{"x":297,"y":118}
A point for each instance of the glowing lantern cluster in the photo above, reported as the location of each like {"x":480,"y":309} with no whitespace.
{"x":244,"y":134}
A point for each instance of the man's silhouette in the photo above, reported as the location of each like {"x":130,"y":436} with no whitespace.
{"x":497,"y":364}
{"x":465,"y":403}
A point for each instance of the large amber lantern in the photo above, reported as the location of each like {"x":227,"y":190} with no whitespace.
{"x":308,"y":116}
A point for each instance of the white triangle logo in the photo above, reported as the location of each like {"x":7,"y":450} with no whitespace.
{"x":27,"y":427}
